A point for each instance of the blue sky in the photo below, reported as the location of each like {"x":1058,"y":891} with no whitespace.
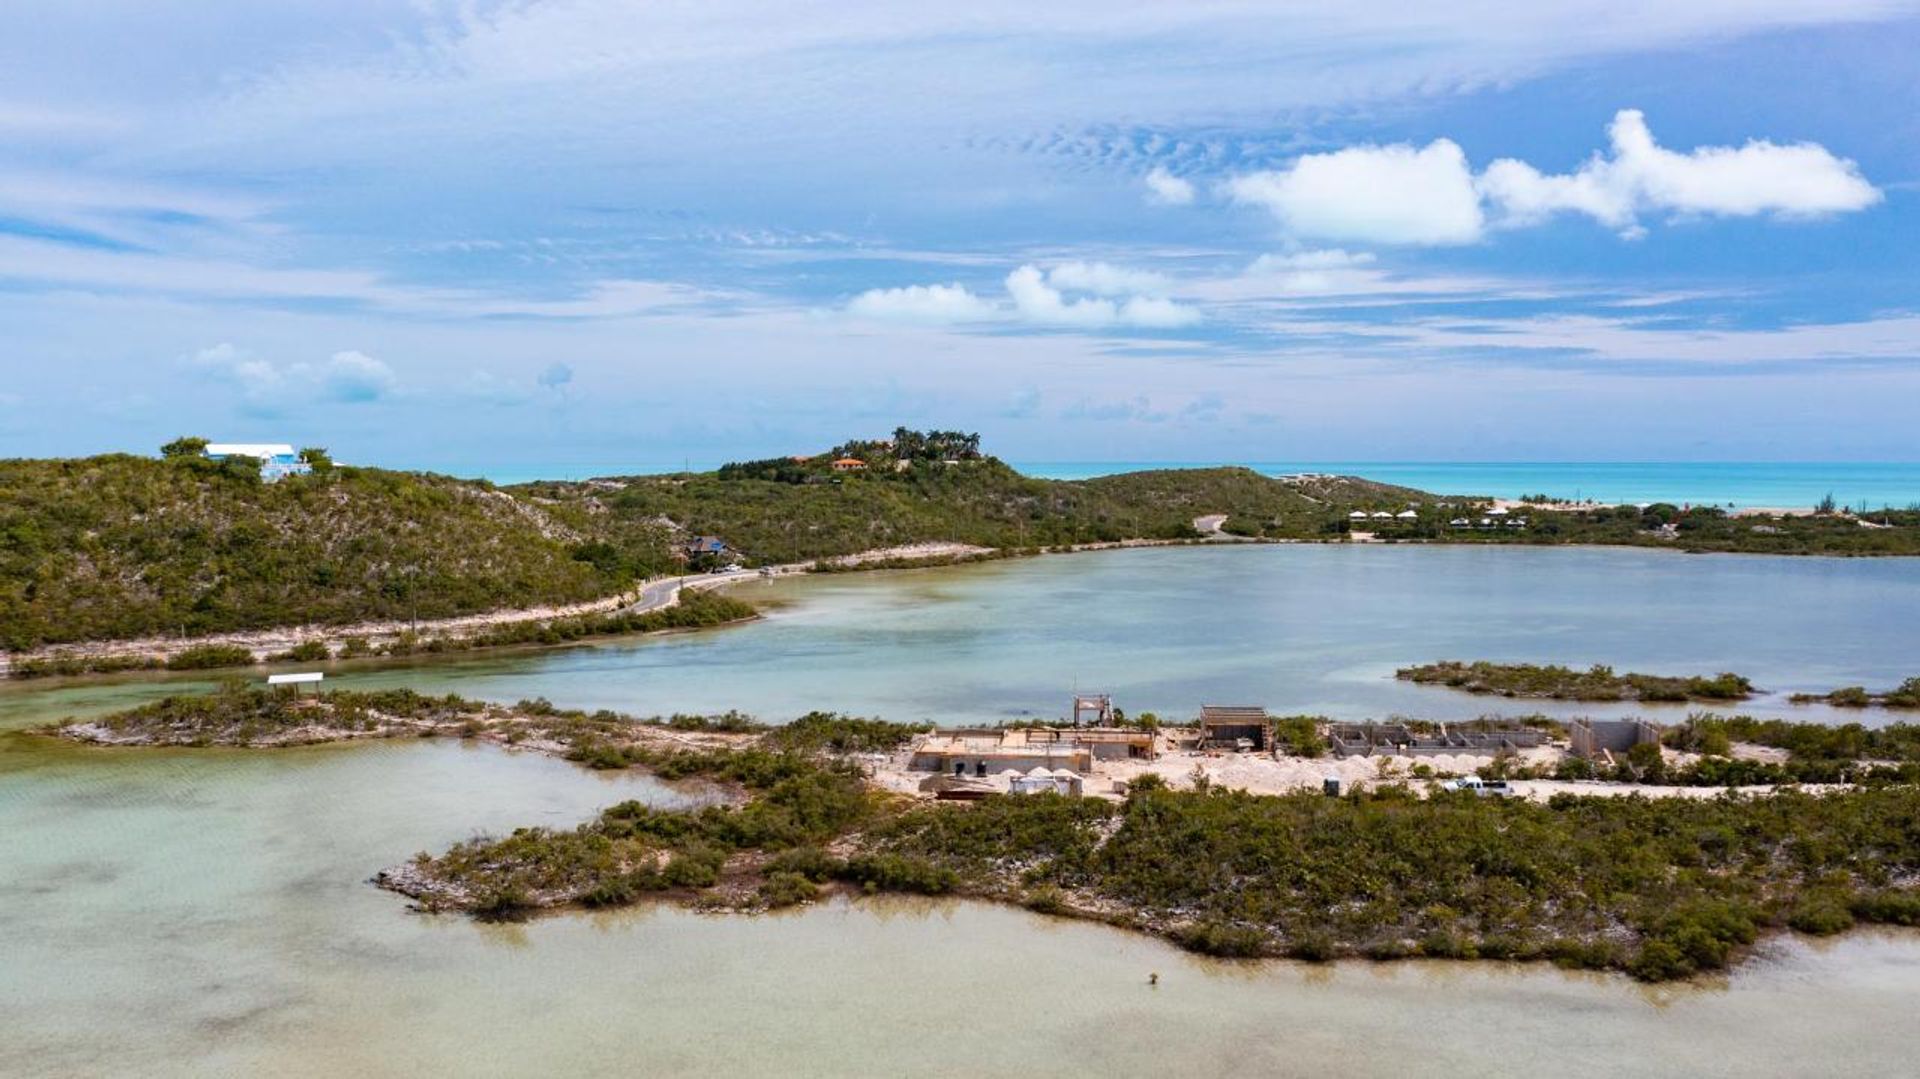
{"x":600,"y":234}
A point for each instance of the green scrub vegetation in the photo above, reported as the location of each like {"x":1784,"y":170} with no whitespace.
{"x":119,"y":547}
{"x":1660,"y":888}
{"x":1905,"y":695}
{"x":1598,"y":683}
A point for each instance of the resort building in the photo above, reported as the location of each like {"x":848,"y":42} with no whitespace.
{"x":848,"y":464}
{"x":277,"y":459}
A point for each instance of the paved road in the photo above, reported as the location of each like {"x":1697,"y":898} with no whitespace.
{"x":666,"y":593}
{"x":1212,"y":527}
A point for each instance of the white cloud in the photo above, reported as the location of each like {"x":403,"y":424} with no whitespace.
{"x":347,"y":377}
{"x":1167,"y":189}
{"x":1333,"y":258}
{"x":1761,"y":177}
{"x":1037,"y":301}
{"x":1402,"y":195}
{"x":922,"y":303}
{"x":356,"y":377}
{"x":1106,"y":279}
{"x":1374,"y":194}
{"x":1113,"y":297}
{"x":1322,"y":272}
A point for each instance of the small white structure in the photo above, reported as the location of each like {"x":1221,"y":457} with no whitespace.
{"x":1407,"y":515}
{"x":277,"y":459}
{"x":1357,"y":515}
{"x":304,"y":678}
{"x":1045,"y":781}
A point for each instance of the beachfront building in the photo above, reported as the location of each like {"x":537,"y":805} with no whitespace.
{"x":277,"y":459}
{"x":1224,"y":726}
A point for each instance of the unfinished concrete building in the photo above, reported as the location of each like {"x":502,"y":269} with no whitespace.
{"x":990,"y":751}
{"x":1601,"y":739}
{"x":1388,"y":739}
{"x":1224,"y":726}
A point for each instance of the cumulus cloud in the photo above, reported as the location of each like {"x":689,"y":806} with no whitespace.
{"x":1796,"y":180}
{"x":1106,"y":296}
{"x":1167,"y":189}
{"x":356,"y":377}
{"x":347,"y":377}
{"x":555,"y":377}
{"x":1402,"y":194}
{"x":922,"y":303}
{"x":1036,"y":300}
{"x":1374,"y":194}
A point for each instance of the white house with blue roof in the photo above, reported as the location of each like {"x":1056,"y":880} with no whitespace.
{"x":277,"y":459}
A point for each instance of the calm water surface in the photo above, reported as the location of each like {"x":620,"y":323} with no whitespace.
{"x":1305,"y":628}
{"x":181,"y":912}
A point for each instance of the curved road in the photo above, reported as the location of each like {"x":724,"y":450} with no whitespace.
{"x":666,"y":592}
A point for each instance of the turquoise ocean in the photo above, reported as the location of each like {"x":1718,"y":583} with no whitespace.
{"x":1795,"y":484}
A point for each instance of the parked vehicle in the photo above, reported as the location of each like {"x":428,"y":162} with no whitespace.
{"x":1485,"y":788}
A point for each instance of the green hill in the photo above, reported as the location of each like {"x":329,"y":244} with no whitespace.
{"x":809,"y":513}
{"x":122,"y":546}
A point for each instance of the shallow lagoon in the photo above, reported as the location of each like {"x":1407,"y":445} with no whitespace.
{"x":190,"y":913}
{"x":1298,"y":628}
{"x":194,"y":912}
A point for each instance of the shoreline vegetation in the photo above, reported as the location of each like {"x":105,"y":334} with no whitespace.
{"x":98,"y":553}
{"x":695,"y":607}
{"x":1658,"y":888}
{"x":1905,"y":695}
{"x":1598,"y":683}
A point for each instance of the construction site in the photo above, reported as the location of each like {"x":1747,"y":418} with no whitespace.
{"x":1095,"y":752}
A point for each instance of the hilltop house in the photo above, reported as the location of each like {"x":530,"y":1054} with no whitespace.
{"x":848,"y":464}
{"x":277,"y":459}
{"x":711,"y":547}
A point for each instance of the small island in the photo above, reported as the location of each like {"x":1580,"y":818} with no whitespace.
{"x":1905,"y":695}
{"x":1597,"y":683}
{"x":1657,"y":887}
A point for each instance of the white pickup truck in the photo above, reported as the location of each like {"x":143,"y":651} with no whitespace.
{"x":1485,"y":788}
